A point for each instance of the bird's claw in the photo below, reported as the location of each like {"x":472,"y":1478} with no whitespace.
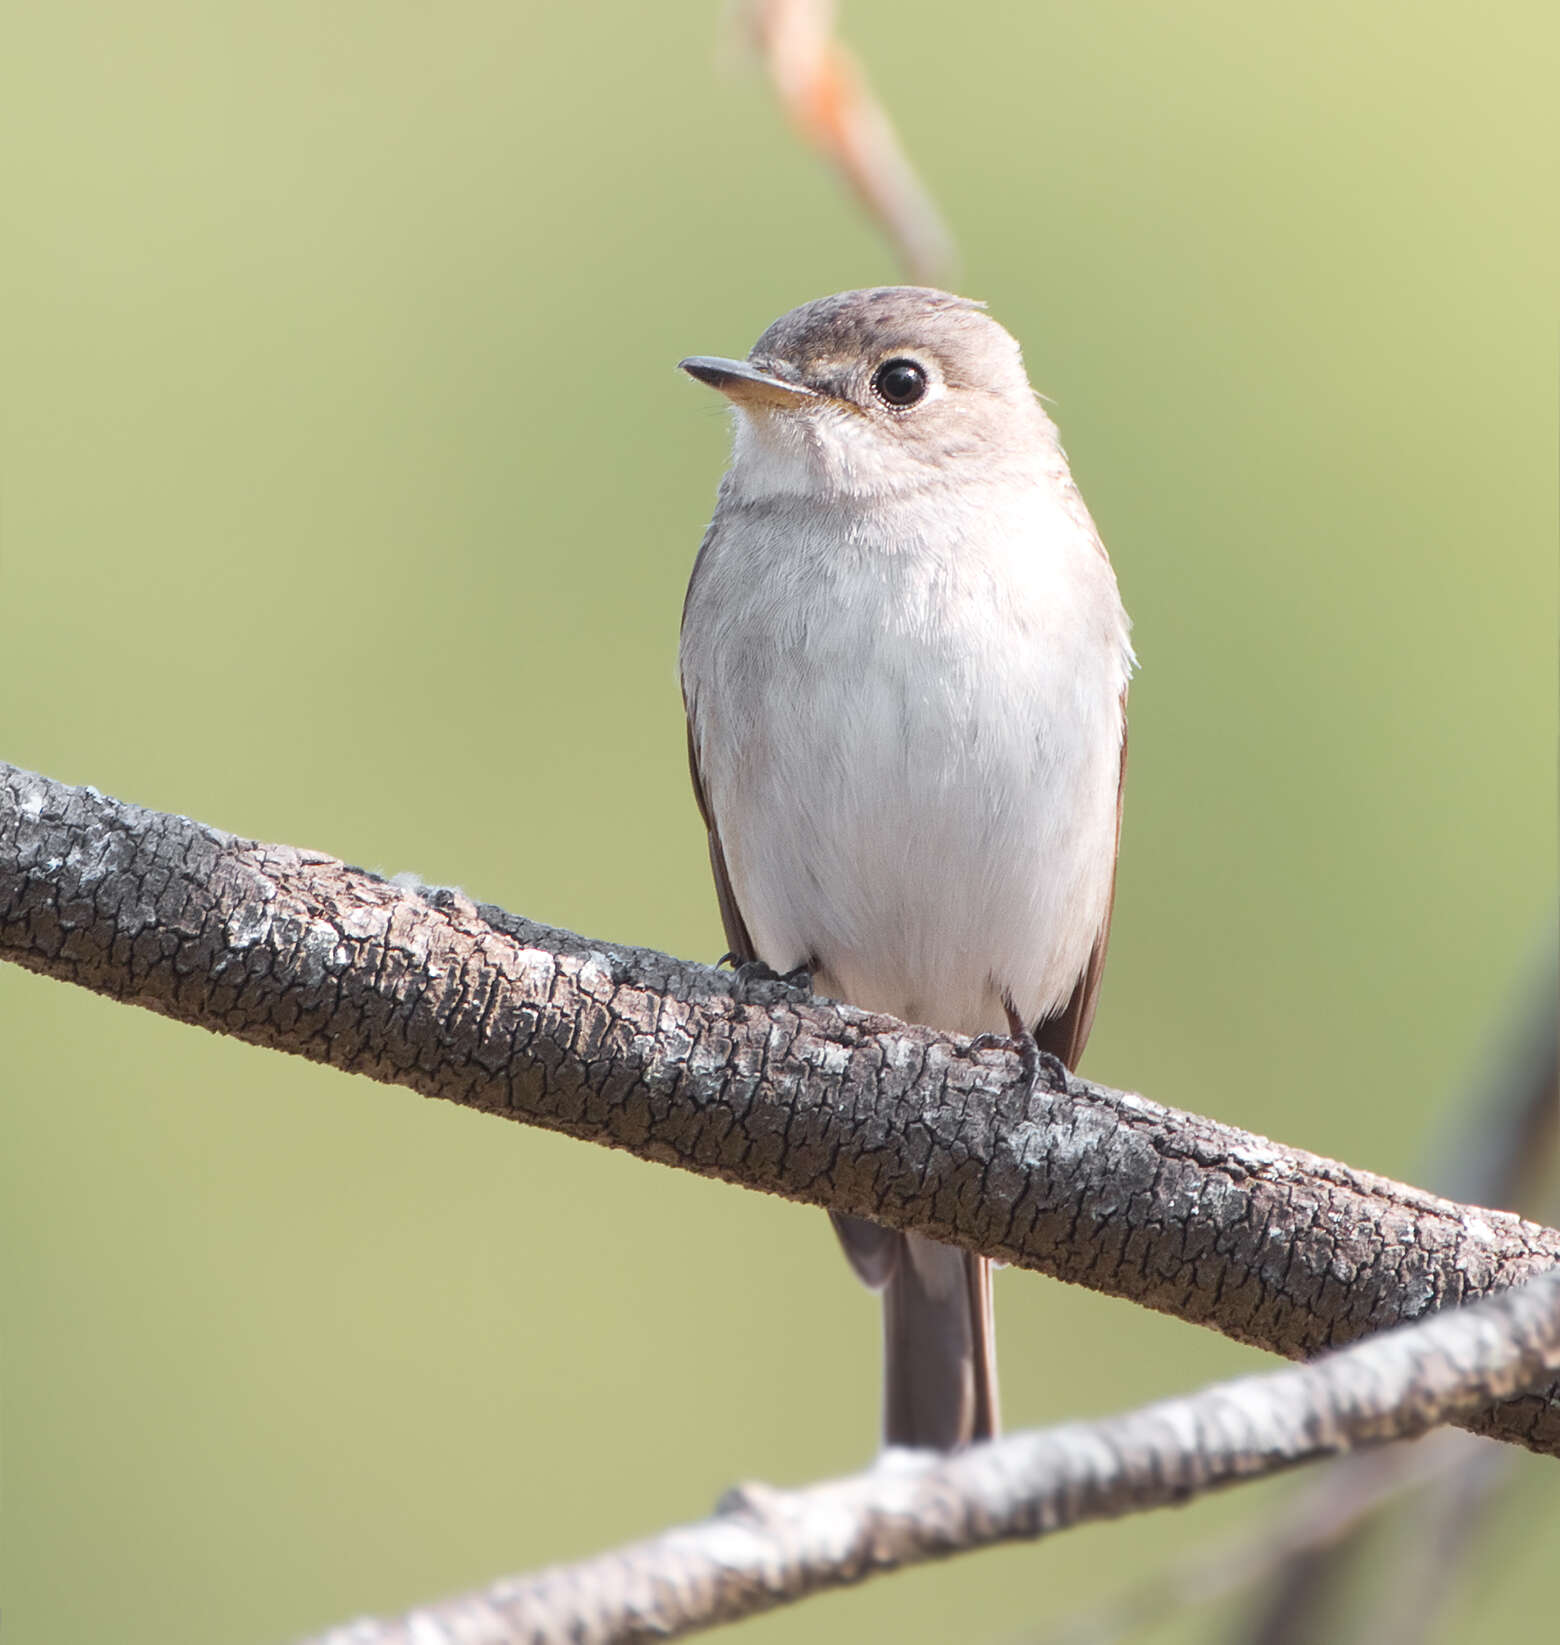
{"x":749,"y":977}
{"x":1018,"y":1099}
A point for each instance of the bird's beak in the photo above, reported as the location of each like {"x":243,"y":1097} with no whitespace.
{"x":744,"y":383}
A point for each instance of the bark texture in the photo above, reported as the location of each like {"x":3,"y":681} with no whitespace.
{"x":766,"y":1547}
{"x":756,"y":1084}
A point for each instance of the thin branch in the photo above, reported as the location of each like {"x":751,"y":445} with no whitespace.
{"x":1433,"y":1556}
{"x":755,"y":1085}
{"x":766,"y":1547}
{"x":1499,"y":1145}
{"x":830,"y":104}
{"x":1341,"y":1498}
{"x":1497,"y":1148}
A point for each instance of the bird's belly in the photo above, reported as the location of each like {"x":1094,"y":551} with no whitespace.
{"x":929,"y":840}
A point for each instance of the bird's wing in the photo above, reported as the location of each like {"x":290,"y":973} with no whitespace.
{"x":1065,"y":1034}
{"x":737,"y":939}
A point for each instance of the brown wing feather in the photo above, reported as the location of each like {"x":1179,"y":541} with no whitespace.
{"x":737,"y":938}
{"x":1066,"y":1034}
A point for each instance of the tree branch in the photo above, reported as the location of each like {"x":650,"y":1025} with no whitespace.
{"x":763,"y":1087}
{"x":766,"y":1548}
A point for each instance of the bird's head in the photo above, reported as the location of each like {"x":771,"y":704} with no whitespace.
{"x":877,"y":391}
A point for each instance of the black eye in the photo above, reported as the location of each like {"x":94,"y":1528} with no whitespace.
{"x":899,"y":382}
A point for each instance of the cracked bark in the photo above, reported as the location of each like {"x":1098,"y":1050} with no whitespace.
{"x":818,"y":1102}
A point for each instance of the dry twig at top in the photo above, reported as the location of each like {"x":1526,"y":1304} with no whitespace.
{"x":826,"y":94}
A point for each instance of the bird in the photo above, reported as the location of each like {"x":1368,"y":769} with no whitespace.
{"x":904,"y":662}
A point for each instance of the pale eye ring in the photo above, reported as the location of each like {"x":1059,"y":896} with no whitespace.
{"x":899,"y":382}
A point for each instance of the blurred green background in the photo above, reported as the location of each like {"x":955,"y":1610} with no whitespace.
{"x":348,"y":496}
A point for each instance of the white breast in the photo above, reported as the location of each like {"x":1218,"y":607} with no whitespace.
{"x":908,"y":722}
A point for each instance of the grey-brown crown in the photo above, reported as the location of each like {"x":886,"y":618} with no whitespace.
{"x":825,"y":343}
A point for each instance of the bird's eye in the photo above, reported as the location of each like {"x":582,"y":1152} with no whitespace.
{"x":899,"y":382}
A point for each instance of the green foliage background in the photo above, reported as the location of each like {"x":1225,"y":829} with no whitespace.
{"x":348,"y":497}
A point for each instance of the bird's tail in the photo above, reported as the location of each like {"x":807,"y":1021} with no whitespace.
{"x":939,"y":1346}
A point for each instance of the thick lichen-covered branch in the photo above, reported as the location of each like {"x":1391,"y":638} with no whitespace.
{"x":754,"y":1084}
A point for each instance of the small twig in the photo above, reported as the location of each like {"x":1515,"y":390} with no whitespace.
{"x":767,"y":1547}
{"x":827,"y":97}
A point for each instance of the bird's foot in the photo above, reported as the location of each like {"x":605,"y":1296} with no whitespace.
{"x":1018,"y":1100}
{"x":754,"y":983}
